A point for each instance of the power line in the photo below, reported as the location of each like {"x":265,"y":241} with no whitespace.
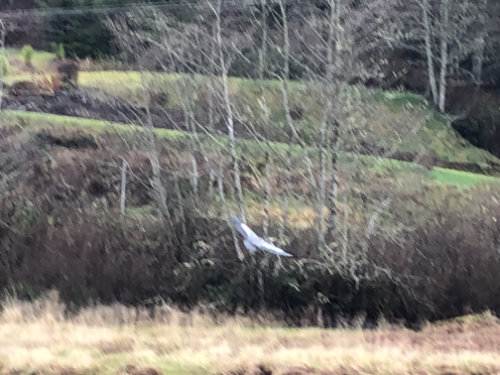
{"x":226,"y":4}
{"x":59,"y":11}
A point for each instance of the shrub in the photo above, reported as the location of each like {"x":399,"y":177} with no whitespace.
{"x":434,"y":256}
{"x":56,"y":82}
{"x":68,"y":72}
{"x":51,"y":83}
{"x":73,"y":141}
{"x":60,"y":52}
{"x":95,"y":41}
{"x":4,"y":65}
{"x":27,"y":54}
{"x":21,"y":88}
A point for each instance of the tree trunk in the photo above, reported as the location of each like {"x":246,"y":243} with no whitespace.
{"x":335,"y":33}
{"x":211,"y":74}
{"x":284,"y":203}
{"x":332,"y":198}
{"x":267,"y":188}
{"x":159,"y":191}
{"x":478,"y":60}
{"x":445,"y":11}
{"x":220,"y":184}
{"x":123,"y":187}
{"x":2,"y":53}
{"x":229,"y":113}
{"x":428,"y":50}
{"x":321,"y":200}
{"x":263,"y":48}
{"x":180,"y":203}
{"x":289,"y":120}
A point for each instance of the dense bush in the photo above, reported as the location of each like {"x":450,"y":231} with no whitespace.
{"x":27,"y":53}
{"x":58,"y":50}
{"x":85,"y":34}
{"x":82,"y":34}
{"x":481,"y":124}
{"x":94,"y":256}
{"x":60,"y":229}
{"x":68,"y":72}
{"x":4,"y":65}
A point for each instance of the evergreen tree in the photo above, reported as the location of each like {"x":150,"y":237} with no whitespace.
{"x":82,"y":34}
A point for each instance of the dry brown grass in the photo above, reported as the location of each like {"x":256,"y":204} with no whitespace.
{"x":38,"y":337}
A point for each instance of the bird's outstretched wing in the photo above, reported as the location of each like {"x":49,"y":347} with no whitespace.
{"x":252,"y":240}
{"x":243,"y":228}
{"x":249,"y":245}
{"x":267,"y":246}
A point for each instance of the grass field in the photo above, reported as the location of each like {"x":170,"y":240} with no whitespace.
{"x":37,"y":338}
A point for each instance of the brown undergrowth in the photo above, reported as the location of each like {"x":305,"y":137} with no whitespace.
{"x":41,"y":337}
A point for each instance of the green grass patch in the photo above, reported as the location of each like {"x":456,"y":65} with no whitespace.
{"x":38,"y":118}
{"x":17,"y":77}
{"x":170,"y":136}
{"x":41,"y":60}
{"x":461,"y":178}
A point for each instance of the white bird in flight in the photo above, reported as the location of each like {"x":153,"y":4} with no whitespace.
{"x":252,"y":241}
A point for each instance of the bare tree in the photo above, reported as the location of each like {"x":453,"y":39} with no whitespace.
{"x":160,"y":193}
{"x":335,"y":48}
{"x":123,"y":187}
{"x":428,"y":49}
{"x":223,"y":68}
{"x":263,"y":48}
{"x":446,"y":32}
{"x":444,"y":13}
{"x":295,"y":137}
{"x":2,"y":54}
{"x":125,"y":36}
{"x":339,"y":44}
{"x":222,"y":197}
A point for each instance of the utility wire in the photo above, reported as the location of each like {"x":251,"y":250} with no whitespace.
{"x":226,"y":4}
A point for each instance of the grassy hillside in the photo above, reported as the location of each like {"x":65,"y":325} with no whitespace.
{"x":179,"y":140}
{"x":378,"y":120}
